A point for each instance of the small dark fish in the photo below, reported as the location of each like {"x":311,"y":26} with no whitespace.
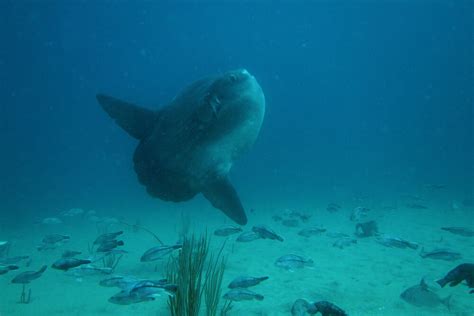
{"x":344,"y":242}
{"x":13,"y":260}
{"x":248,"y":236}
{"x":326,"y":309}
{"x":277,"y":218}
{"x":69,"y":263}
{"x":242,"y":295}
{"x":463,"y":272}
{"x":143,"y":291}
{"x":311,"y":231}
{"x":28,"y":276}
{"x":266,"y":233}
{"x":397,"y":242}
{"x":420,"y":295}
{"x":70,"y":253}
{"x":462,"y":231}
{"x":304,"y":217}
{"x":227,"y":230}
{"x":441,"y":254}
{"x":55,"y":238}
{"x":246,"y":281}
{"x":332,"y":208}
{"x":109,"y":245}
{"x":290,"y":222}
{"x":158,"y":252}
{"x":416,"y":206}
{"x":7,"y":268}
{"x":300,"y":307}
{"x":107,"y":237}
{"x":291,"y":262}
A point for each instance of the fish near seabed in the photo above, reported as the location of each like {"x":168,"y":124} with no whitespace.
{"x":28,"y":276}
{"x":189,"y":146}
{"x":420,"y":295}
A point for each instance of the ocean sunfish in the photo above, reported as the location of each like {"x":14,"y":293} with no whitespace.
{"x":189,"y":145}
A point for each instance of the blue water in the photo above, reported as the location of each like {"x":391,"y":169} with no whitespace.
{"x":363,"y":99}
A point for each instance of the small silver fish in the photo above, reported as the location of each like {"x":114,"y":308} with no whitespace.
{"x":69,"y":263}
{"x":246,"y":281}
{"x":461,"y":231}
{"x":266,"y":233}
{"x":420,"y":295}
{"x":227,"y":230}
{"x":109,"y":245}
{"x":107,"y":237}
{"x":6,"y":268}
{"x":28,"y":276}
{"x":119,"y":281}
{"x":242,"y":295}
{"x":390,"y":241}
{"x":248,"y":236}
{"x":142,"y":292}
{"x":291,"y":262}
{"x":158,"y":252}
{"x":441,"y":254}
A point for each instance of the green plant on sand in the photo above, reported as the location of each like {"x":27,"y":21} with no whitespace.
{"x":196,"y":272}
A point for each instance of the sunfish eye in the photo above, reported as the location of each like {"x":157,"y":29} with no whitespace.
{"x":233,"y":78}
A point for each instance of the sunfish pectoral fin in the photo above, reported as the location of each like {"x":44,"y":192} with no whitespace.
{"x":135,"y":120}
{"x":222,"y":195}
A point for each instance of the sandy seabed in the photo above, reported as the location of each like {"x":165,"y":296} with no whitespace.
{"x":364,"y":279}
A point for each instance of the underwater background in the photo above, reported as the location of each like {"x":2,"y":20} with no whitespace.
{"x":368,"y":104}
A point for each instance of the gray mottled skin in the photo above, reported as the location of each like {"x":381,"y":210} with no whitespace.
{"x":188,"y":146}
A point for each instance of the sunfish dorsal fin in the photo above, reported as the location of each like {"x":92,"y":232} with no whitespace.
{"x":223,"y":196}
{"x":136,"y":121}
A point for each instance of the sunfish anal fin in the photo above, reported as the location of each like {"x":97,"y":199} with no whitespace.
{"x":136,"y":121}
{"x":223,"y":196}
